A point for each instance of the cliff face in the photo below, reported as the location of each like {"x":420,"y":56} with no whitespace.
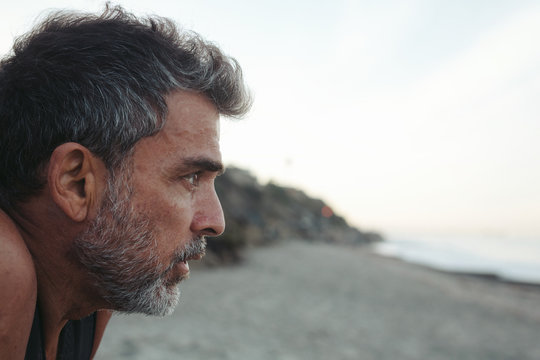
{"x":262,"y":214}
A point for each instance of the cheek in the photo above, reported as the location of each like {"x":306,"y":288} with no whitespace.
{"x":170,"y":218}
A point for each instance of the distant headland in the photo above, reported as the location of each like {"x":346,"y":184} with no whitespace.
{"x":258,"y":214}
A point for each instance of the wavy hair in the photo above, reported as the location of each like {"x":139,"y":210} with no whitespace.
{"x":101,"y":81}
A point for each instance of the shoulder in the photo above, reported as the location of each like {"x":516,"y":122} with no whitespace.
{"x":19,"y":289}
{"x":16,"y":265}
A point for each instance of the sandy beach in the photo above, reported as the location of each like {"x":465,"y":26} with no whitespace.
{"x":314,"y":301}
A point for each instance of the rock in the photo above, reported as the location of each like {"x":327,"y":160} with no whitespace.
{"x":258,"y":215}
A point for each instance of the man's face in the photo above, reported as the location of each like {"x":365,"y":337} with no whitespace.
{"x":138,"y":245}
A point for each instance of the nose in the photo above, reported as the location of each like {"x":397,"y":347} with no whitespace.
{"x":208,"y":218}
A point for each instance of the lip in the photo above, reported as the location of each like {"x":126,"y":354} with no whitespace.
{"x":183,"y":268}
{"x":178,"y":273}
{"x":196,"y":257}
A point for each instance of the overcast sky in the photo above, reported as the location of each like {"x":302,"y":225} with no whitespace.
{"x":403,"y":115}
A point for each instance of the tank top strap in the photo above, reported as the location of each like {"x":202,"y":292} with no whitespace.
{"x":76,"y":339}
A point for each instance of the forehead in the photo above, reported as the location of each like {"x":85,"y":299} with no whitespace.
{"x":190,"y":115}
{"x":191,"y":130}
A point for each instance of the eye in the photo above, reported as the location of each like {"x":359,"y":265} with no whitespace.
{"x":193,"y":179}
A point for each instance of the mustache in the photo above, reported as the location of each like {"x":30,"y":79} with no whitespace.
{"x":195,"y":248}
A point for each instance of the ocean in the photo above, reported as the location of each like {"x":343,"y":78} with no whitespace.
{"x":508,"y":258}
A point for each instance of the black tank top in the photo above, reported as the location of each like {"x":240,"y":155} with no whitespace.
{"x":76,"y":339}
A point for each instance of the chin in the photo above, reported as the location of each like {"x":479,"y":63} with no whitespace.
{"x":162,"y":301}
{"x":168,"y":303}
{"x":158,"y":299}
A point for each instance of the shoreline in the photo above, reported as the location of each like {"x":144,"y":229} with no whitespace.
{"x":485,"y":276}
{"x":513,"y":261}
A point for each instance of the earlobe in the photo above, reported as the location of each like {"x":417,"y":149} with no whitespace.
{"x":72,"y":180}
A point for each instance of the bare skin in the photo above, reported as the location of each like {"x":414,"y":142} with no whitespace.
{"x":173,"y":183}
{"x":35,"y":259}
{"x":18,"y":298}
{"x":19,"y":290}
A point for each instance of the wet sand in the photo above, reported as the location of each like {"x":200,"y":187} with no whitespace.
{"x":316,"y":301}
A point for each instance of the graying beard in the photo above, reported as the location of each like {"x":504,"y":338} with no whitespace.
{"x":119,"y":251}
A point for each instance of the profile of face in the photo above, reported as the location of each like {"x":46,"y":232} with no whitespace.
{"x":156,"y":212}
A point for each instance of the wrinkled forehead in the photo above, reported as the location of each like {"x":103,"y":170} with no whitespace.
{"x":191,"y":131}
{"x":193,"y":118}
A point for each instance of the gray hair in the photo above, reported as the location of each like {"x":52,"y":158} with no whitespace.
{"x":101,"y":81}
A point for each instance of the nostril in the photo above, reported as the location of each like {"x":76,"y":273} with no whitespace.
{"x":210,"y":232}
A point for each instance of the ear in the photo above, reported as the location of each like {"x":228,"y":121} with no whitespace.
{"x":74,"y":178}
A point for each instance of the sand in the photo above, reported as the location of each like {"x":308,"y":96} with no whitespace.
{"x":316,"y":301}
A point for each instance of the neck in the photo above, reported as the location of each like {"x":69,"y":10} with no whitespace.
{"x":63,"y":290}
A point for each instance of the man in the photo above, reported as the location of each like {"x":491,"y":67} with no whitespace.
{"x":109,"y":147}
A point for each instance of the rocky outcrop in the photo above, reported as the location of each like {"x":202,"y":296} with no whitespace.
{"x":262,"y":214}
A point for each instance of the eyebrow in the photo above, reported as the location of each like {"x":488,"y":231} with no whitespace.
{"x":204,"y":164}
